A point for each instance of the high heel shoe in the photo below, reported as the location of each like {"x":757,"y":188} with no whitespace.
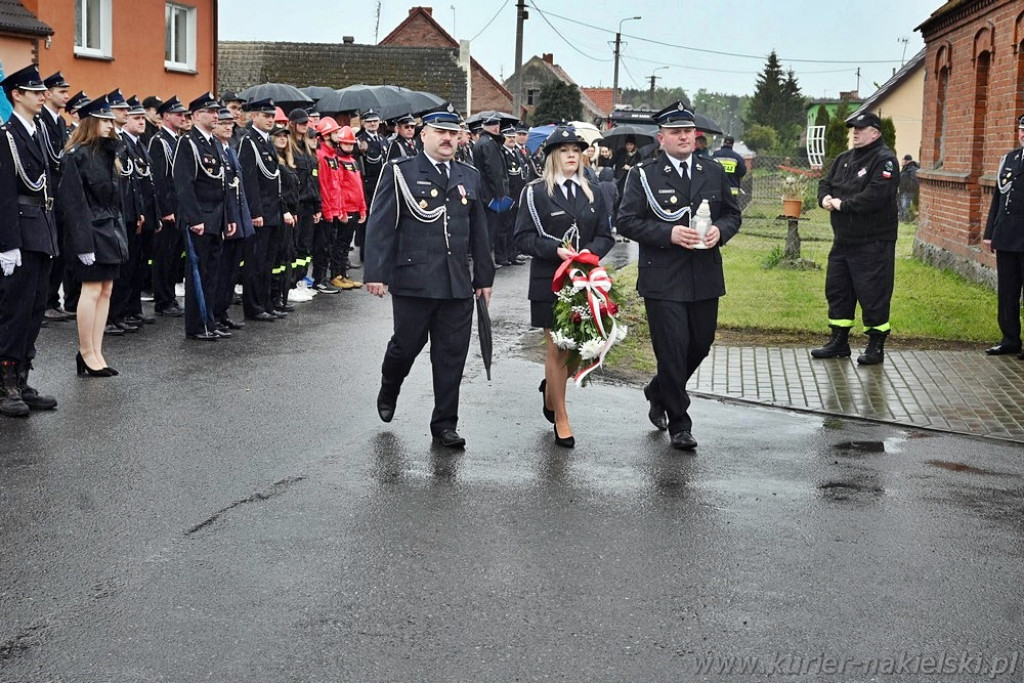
{"x":564,"y":442}
{"x":84,"y":369}
{"x":548,"y":414}
{"x":112,"y":371}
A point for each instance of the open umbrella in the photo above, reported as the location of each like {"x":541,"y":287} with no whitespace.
{"x":315,"y":92}
{"x":284,"y":95}
{"x":642,"y":134}
{"x":417,"y":101}
{"x":707,"y":125}
{"x":587,"y":131}
{"x":387,"y":103}
{"x":481,"y":115}
{"x":483,"y":330}
{"x":535,"y":139}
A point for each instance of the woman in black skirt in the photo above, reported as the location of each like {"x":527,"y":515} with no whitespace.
{"x":90,"y":202}
{"x":559,"y":207}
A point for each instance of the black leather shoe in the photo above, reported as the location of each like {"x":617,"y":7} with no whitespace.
{"x":386,"y":405}
{"x":549,"y":415}
{"x":449,"y":438}
{"x":286,"y":307}
{"x":278,"y":314}
{"x":173,"y":312}
{"x":564,"y":441}
{"x":231,"y":324}
{"x":264,"y":317}
{"x":1002,"y":350}
{"x":113,"y":330}
{"x":656,"y":413}
{"x":140,"y":320}
{"x":127,"y":327}
{"x":222,"y":334}
{"x":684,"y":441}
{"x":203,"y":336}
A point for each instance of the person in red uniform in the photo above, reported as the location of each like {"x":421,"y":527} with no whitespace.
{"x":353,"y":209}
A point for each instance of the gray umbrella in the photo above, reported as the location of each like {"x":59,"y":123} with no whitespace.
{"x":315,"y":92}
{"x":284,"y":95}
{"x":384,"y":101}
{"x":418,"y":101}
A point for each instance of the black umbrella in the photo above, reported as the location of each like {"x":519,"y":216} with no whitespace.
{"x":387,"y":103}
{"x":285,"y":96}
{"x":315,"y":92}
{"x":642,"y":134}
{"x":707,"y":125}
{"x":480,"y":116}
{"x":417,"y":101}
{"x":483,"y":330}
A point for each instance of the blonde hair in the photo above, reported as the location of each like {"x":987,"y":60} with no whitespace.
{"x":550,"y":170}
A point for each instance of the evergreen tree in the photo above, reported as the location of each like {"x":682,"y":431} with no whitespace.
{"x":889,"y":133}
{"x":558,"y":101}
{"x":837,"y":137}
{"x":777,"y":103}
{"x":761,"y":138}
{"x":821,"y":118}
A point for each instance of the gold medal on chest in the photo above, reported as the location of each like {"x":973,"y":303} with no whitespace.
{"x":465,"y":201}
{"x":423,"y":203}
{"x":433,"y":193}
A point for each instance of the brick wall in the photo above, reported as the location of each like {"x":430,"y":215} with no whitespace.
{"x":973,"y":92}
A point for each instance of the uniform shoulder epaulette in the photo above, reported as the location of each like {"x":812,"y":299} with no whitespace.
{"x":645,"y":162}
{"x":401,"y":160}
{"x":535,"y":181}
{"x":72,"y":150}
{"x":465,"y":165}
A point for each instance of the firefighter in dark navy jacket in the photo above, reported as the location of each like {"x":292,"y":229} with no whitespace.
{"x":28,"y":242}
{"x":426,"y":223}
{"x":1004,"y":234}
{"x":680,"y":273}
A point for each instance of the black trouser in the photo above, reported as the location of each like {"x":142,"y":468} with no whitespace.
{"x":303,"y":242}
{"x":22,"y":304}
{"x":496,"y":231}
{"x":447,"y":323}
{"x":206,"y":249}
{"x":1009,"y":283}
{"x":342,"y":241}
{"x":256,"y":273}
{"x":282,"y":262}
{"x":323,"y":243}
{"x":228,"y":275}
{"x":681,"y":335}
{"x":57,"y":268}
{"x":142,"y":272}
{"x":167,"y":247}
{"x":860,"y":273}
{"x":508,"y":247}
{"x":128,"y":282}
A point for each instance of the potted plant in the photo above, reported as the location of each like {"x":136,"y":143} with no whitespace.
{"x":792,"y":196}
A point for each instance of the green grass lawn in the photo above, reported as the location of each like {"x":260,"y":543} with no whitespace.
{"x":928,"y":303}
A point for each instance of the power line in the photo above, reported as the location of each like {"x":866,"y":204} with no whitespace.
{"x":564,"y":39}
{"x":751,"y":72}
{"x":489,"y":22}
{"x":720,"y":53}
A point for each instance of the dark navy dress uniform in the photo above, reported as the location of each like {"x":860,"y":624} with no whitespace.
{"x":426,"y":266}
{"x":167,"y":244}
{"x":680,"y":286}
{"x":199,"y":177}
{"x":557,"y":217}
{"x":56,"y":135}
{"x":27,"y":224}
{"x":1005,"y":229}
{"x":140,"y":200}
{"x":262,"y":180}
{"x":233,"y":250}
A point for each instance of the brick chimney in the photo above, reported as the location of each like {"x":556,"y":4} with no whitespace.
{"x":548,"y":58}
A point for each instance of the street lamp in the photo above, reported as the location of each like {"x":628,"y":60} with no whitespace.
{"x":653,"y":79}
{"x":618,"y":45}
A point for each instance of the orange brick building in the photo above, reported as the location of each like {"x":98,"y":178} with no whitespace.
{"x":973,"y":93}
{"x":420,"y":29}
{"x":141,"y":46}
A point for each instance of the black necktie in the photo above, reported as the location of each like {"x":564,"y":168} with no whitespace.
{"x":686,"y":183}
{"x":443,"y":170}
{"x":685,"y":175}
{"x":570,"y":190}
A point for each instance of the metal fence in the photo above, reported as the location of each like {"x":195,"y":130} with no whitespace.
{"x":770,"y":178}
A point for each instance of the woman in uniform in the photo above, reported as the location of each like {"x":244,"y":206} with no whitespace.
{"x":90,"y":200}
{"x":560,"y":213}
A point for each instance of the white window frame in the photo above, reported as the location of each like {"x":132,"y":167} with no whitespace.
{"x":105,"y":49}
{"x":189,"y":65}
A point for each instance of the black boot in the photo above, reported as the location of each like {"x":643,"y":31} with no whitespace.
{"x":11,"y":403}
{"x":838,"y":345}
{"x":32,"y":398}
{"x":875,"y":351}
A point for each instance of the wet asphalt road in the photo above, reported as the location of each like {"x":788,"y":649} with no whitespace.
{"x":236,"y":512}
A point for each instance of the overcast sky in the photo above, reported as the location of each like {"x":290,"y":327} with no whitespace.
{"x":823,"y":42}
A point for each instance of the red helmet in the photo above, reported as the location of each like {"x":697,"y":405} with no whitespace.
{"x":327,"y":126}
{"x":280,"y":116}
{"x":347,"y":136}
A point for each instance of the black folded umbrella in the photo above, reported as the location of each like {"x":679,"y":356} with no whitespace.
{"x":483,"y":330}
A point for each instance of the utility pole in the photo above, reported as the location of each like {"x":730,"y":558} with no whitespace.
{"x":618,"y":48}
{"x":858,"y":82}
{"x":517,"y":93}
{"x":653,"y":78}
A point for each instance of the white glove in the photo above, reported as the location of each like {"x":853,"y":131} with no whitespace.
{"x":87,"y":259}
{"x":9,"y":260}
